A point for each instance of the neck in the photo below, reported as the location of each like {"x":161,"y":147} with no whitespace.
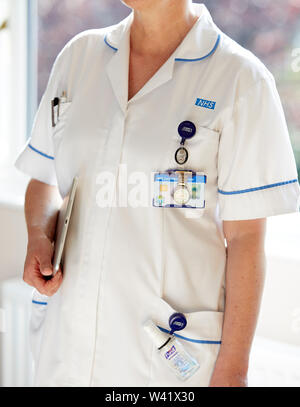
{"x":161,"y":27}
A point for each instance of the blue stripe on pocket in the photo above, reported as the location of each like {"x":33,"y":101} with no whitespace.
{"x":189,"y":339}
{"x":39,"y":302}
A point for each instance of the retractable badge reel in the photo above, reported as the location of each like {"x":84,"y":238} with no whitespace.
{"x":177,"y":322}
{"x":180,"y":187}
{"x":186,"y":131}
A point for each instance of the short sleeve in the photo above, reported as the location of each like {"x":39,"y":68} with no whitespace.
{"x":37,"y":158}
{"x":257,"y":174}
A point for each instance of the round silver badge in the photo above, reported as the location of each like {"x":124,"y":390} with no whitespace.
{"x":181,"y":155}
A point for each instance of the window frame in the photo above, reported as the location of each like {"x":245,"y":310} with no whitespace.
{"x":32,"y":63}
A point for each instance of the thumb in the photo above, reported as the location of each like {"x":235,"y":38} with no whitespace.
{"x":46,"y":268}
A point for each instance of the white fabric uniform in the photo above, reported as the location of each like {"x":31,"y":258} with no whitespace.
{"x":124,"y":265}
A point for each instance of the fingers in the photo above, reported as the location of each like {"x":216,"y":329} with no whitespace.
{"x":38,"y":269}
{"x":48,"y":287}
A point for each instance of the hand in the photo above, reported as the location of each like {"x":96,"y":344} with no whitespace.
{"x":225,"y":375}
{"x":38,"y":267}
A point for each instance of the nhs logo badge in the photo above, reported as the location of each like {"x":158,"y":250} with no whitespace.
{"x":208,"y":104}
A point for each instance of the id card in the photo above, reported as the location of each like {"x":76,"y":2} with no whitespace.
{"x":179,"y":189}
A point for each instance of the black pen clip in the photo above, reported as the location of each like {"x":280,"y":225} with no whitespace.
{"x":55,"y":104}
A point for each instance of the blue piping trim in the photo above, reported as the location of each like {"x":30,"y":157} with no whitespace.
{"x":189,"y":339}
{"x":110,"y":46}
{"x":178,"y":59}
{"x":39,"y":302}
{"x":244,"y":191}
{"x":205,"y":56}
{"x":40,"y":152}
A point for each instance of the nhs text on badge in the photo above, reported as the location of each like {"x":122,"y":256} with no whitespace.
{"x":208,"y":104}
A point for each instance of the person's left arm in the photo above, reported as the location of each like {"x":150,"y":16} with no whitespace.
{"x":245,"y":271}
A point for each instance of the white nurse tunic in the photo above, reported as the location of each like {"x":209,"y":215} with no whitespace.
{"x":126,"y":263}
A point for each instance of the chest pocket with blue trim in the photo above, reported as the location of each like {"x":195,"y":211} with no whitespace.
{"x":203,"y":157}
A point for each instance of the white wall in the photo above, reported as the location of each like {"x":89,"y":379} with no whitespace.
{"x":13,"y":83}
{"x":280,"y":313}
{"x":13,"y":240}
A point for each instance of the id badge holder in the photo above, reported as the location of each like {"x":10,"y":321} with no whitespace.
{"x":179,"y":189}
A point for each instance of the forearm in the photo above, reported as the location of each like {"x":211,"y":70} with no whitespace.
{"x":244,"y":285}
{"x":42,"y":202}
{"x":245,"y":273}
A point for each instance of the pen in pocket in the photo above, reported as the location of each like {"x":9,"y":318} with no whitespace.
{"x":55,"y":107}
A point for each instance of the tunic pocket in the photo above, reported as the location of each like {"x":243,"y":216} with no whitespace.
{"x":203,"y":151}
{"x":38,"y":314}
{"x":201,"y":338}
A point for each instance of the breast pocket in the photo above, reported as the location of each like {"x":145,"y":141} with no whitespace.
{"x":201,"y":338}
{"x":203,"y":150}
{"x":58,"y":129}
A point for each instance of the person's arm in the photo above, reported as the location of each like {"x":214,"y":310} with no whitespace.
{"x":245,"y":272}
{"x":42,"y":202}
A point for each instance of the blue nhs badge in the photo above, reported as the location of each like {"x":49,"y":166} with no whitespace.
{"x":208,"y":104}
